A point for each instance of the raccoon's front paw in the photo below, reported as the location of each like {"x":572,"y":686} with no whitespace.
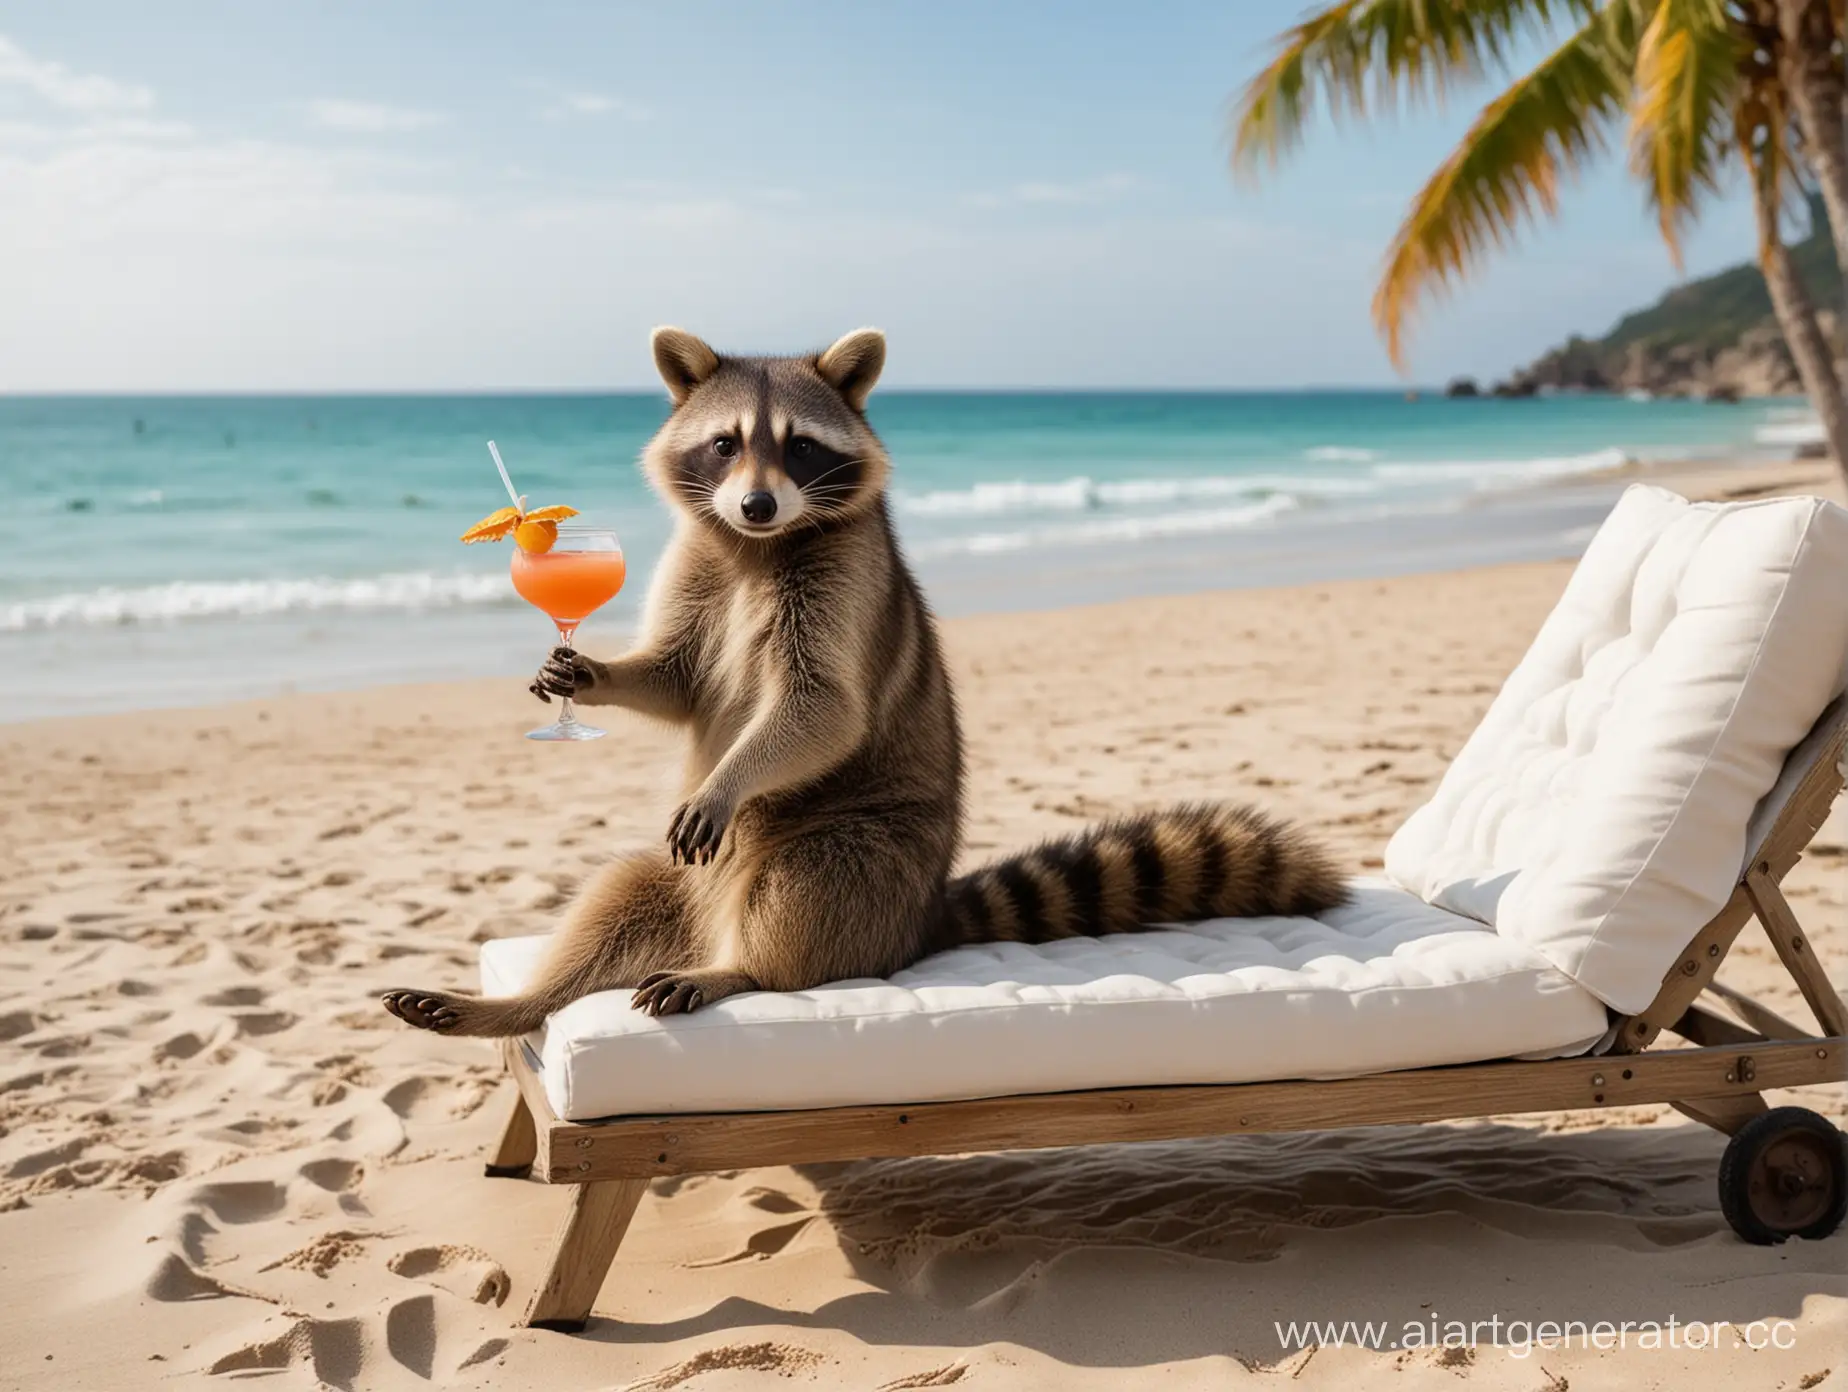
{"x":698,"y":828}
{"x":567,"y":672}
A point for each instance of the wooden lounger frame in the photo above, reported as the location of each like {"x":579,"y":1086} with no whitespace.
{"x":1720,"y":1080}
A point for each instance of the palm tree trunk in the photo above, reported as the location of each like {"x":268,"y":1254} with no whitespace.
{"x":1812,"y":74}
{"x":1797,"y":317}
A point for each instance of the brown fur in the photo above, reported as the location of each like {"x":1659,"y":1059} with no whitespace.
{"x":823,"y":785}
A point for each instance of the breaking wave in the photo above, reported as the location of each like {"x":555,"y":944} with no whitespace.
{"x":1116,"y":529}
{"x":1804,"y":431}
{"x":1087,"y":494}
{"x":1502,"y":473}
{"x":206,"y":599}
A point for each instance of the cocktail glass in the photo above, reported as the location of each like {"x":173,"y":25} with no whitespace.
{"x":581,"y":573}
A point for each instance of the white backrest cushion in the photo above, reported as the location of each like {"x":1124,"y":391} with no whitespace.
{"x":1599,"y":813}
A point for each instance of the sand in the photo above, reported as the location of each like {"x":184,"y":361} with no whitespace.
{"x":219,"y":1159}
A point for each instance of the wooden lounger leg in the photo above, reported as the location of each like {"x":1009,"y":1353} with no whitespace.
{"x":1725,"y":1114}
{"x":1794,"y":951}
{"x":587,"y":1243}
{"x":519,"y":1144}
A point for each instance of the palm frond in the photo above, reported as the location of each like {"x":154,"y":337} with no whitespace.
{"x":1508,"y":169}
{"x":1681,"y":129}
{"x":1358,"y":56}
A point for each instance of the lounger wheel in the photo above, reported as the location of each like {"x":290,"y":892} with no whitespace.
{"x":1785,"y":1174}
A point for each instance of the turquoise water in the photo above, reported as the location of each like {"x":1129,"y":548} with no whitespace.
{"x":177,"y":533}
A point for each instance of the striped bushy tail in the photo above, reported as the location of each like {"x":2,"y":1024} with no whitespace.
{"x":1179,"y":865}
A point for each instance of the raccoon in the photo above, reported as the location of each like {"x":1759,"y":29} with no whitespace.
{"x":822,"y":799}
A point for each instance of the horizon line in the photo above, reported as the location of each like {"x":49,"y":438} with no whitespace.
{"x":283,"y":393}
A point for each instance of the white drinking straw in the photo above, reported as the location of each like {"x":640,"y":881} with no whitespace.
{"x":517,"y":500}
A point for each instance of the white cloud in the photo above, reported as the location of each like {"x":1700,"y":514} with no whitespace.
{"x":572,"y":105}
{"x":369,"y":118}
{"x":141,"y":255}
{"x":71,"y":91}
{"x":121,"y":128}
{"x":1105,"y":188}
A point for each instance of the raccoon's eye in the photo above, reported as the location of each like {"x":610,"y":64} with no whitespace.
{"x":801,"y":447}
{"x":725,"y":447}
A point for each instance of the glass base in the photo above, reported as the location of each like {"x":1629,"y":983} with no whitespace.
{"x":566,"y":730}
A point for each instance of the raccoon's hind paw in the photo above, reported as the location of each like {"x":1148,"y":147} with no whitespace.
{"x":426,"y":1010}
{"x":677,"y":993}
{"x":697,"y":831}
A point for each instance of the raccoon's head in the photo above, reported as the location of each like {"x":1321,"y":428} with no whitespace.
{"x":764,"y":446}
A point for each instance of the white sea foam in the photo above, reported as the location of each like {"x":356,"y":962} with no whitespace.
{"x":1084,"y":494}
{"x":1501,"y":473}
{"x":206,"y":599}
{"x":1806,"y":430}
{"x":1116,"y":529}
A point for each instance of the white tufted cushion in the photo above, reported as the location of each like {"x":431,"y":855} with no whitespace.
{"x":1386,"y":982}
{"x":1599,"y":813}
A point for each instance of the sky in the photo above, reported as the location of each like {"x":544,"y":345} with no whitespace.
{"x":209,"y":195}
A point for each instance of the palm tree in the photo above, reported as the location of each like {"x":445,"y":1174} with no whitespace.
{"x":1700,"y":85}
{"x":1711,"y":83}
{"x":1812,"y":32}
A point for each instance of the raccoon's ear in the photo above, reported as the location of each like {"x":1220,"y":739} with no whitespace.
{"x":853,"y":365}
{"x":683,"y":361}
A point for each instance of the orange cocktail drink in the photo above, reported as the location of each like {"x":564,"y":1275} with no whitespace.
{"x":566,"y":569}
{"x":569,"y":572}
{"x":568,"y":585}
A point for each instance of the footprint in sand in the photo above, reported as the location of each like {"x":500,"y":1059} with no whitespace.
{"x":374,"y":1019}
{"x":16,"y":1024}
{"x":39,"y":1161}
{"x":257,"y":1023}
{"x":333,"y":1350}
{"x":424,"y":1336}
{"x":465,"y":1271}
{"x":491,"y":1348}
{"x":177,"y":1280}
{"x":181,"y":1046}
{"x":236,"y":995}
{"x":247,"y":1201}
{"x":25,"y":1082}
{"x":334,"y":1175}
{"x":773,"y":1200}
{"x":377,"y":1133}
{"x":410,"y":1334}
{"x":60,"y":1046}
{"x":437,"y":1099}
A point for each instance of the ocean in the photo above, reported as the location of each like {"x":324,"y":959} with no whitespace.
{"x":180,"y":550}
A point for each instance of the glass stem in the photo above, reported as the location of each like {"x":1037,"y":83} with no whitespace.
{"x":566,"y":714}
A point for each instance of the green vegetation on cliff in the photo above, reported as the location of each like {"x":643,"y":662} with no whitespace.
{"x":1715,"y":335}
{"x":1714,"y":312}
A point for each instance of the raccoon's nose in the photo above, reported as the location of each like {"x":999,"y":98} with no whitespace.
{"x":758,"y":507}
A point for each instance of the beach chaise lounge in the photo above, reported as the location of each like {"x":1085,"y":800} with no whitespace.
{"x":1644,"y":780}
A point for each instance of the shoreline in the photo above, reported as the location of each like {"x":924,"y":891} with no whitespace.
{"x":175,"y":664}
